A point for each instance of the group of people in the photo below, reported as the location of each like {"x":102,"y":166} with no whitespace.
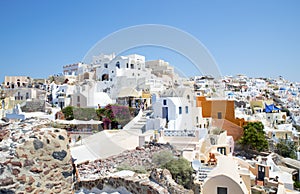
{"x":142,"y":105}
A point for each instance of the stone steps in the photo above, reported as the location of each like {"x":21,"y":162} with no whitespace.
{"x":141,"y":124}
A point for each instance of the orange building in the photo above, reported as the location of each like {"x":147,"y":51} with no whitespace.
{"x":222,"y":110}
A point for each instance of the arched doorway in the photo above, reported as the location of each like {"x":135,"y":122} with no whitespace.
{"x":105,"y":77}
{"x":118,"y":65}
{"x":86,"y":75}
{"x":18,"y":83}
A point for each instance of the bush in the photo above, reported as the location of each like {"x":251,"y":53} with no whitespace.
{"x":162,"y":157}
{"x":297,"y":184}
{"x":117,"y":114}
{"x":136,"y":168}
{"x":286,"y":148}
{"x":181,"y":171}
{"x":85,"y":114}
{"x":68,"y":113}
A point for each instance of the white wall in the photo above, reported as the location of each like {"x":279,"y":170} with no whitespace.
{"x":176,"y":121}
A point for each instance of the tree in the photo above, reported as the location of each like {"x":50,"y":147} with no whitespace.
{"x":286,"y":148}
{"x":68,"y":112}
{"x":181,"y":171}
{"x":254,"y":137}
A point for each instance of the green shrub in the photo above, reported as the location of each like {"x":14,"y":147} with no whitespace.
{"x":181,"y":171}
{"x":297,"y":184}
{"x":85,"y":114}
{"x":286,"y":148}
{"x":136,"y":168}
{"x":162,"y":157}
{"x":68,"y":113}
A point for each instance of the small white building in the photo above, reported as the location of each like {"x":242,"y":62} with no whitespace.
{"x":61,"y":94}
{"x":74,"y":69}
{"x":227,"y":177}
{"x":176,"y":111}
{"x":88,"y":95}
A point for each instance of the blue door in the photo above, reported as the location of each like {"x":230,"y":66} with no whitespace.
{"x":165,"y":113}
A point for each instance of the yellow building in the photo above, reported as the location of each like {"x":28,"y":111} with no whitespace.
{"x":16,"y":81}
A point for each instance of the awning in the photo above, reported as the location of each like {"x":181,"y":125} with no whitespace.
{"x":270,"y":108}
{"x":128,"y":92}
{"x":288,"y":170}
{"x":291,"y":163}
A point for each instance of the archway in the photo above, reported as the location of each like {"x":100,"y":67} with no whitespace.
{"x":105,"y":77}
{"x":86,"y":75}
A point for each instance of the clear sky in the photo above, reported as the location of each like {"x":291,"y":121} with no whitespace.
{"x":256,"y":38}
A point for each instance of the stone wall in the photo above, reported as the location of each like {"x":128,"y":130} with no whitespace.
{"x":141,"y":156}
{"x":35,"y":160}
{"x":160,"y":182}
{"x":95,"y":174}
{"x":136,"y":184}
{"x":164,"y":178}
{"x":34,"y":106}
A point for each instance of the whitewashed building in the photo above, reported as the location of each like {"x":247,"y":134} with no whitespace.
{"x":88,"y":95}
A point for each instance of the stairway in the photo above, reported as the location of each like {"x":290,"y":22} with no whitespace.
{"x":140,"y":125}
{"x":202,"y":173}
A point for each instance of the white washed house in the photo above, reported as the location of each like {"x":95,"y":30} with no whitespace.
{"x":176,"y":111}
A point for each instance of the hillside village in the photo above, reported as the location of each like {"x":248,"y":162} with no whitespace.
{"x":126,"y":109}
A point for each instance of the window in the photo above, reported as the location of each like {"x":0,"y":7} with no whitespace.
{"x":221,"y":190}
{"x":105,"y":65}
{"x":127,"y":66}
{"x":27,"y":95}
{"x":105,"y":77}
{"x":219,"y":115}
{"x":132,"y":66}
{"x":186,"y":109}
{"x":118,"y":64}
{"x":222,"y":150}
{"x":164,"y":102}
{"x":197,"y":120}
{"x":180,"y":110}
{"x":78,"y":98}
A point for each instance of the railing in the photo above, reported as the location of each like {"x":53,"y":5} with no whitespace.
{"x":179,"y":133}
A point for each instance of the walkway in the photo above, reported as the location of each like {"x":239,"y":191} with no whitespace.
{"x":111,"y":142}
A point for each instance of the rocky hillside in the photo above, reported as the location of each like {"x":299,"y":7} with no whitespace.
{"x":34,"y":159}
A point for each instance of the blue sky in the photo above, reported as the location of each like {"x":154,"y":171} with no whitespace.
{"x":256,"y":38}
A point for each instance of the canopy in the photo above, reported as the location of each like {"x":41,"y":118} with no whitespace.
{"x":270,"y":108}
{"x":128,"y":92}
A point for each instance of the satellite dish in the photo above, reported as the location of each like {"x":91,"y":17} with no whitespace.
{"x":196,"y":164}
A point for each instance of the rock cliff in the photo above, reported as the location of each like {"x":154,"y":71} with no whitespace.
{"x":34,"y":159}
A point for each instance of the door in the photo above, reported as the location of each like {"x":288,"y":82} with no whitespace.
{"x":261,"y":173}
{"x":165,"y":113}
